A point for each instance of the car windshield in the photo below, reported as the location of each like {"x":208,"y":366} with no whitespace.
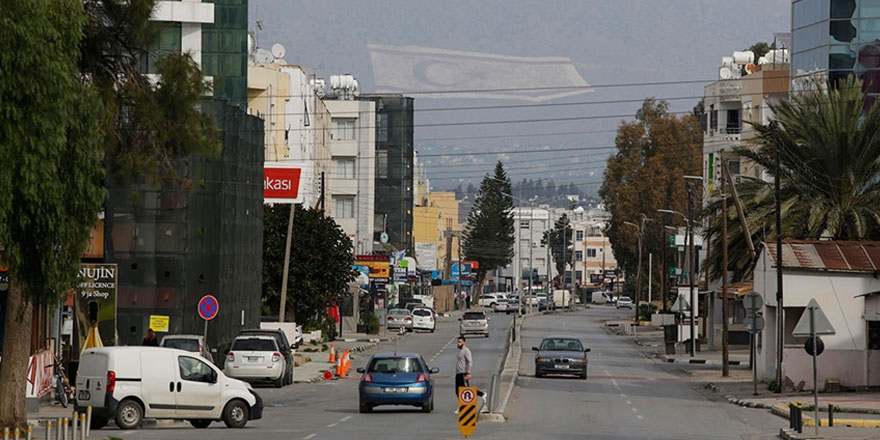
{"x":422,"y":312}
{"x":561,"y":344}
{"x":395,"y":365}
{"x":253,"y":344}
{"x":181,"y":344}
{"x":625,"y":299}
{"x":399,"y":312}
{"x":474,"y":315}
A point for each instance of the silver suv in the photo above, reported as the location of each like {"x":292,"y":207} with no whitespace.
{"x":474,"y":322}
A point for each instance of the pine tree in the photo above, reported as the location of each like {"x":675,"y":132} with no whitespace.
{"x":488,"y":235}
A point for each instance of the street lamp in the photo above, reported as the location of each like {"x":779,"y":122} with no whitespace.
{"x":689,"y":252}
{"x":640,"y":231}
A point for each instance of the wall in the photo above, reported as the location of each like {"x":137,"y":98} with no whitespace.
{"x":448,"y":206}
{"x":444,"y":298}
{"x":268,"y":91}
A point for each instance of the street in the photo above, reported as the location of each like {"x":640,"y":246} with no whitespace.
{"x":627,"y":395}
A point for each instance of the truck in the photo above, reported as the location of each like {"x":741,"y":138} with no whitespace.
{"x":563,"y":298}
{"x":598,"y":298}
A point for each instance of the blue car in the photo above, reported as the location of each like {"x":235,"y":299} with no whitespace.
{"x":396,"y":379}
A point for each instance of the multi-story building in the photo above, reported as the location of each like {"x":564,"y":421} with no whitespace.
{"x":530,"y":254}
{"x":428,"y":236}
{"x":394,"y":168}
{"x":448,"y":206}
{"x":352,"y":181}
{"x":834,"y":39}
{"x":592,"y":249}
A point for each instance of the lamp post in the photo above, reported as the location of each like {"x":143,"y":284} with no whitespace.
{"x":639,"y":232}
{"x":688,"y":255}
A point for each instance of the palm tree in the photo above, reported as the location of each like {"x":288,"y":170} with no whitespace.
{"x":829,"y":152}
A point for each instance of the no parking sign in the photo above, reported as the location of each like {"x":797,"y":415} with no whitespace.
{"x":208,"y":307}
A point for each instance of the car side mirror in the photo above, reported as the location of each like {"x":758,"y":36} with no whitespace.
{"x":459,"y":319}
{"x":587,"y":350}
{"x":435,"y":370}
{"x":535,"y":349}
{"x":360,"y":370}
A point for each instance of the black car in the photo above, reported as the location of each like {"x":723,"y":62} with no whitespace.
{"x":561,"y":355}
{"x":284,"y":347}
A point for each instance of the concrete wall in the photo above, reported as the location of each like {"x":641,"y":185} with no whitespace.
{"x":444,"y":298}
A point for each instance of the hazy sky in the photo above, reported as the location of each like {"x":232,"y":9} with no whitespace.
{"x":612,"y":45}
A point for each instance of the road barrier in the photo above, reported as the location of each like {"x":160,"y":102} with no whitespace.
{"x":61,"y":428}
{"x":795,"y":419}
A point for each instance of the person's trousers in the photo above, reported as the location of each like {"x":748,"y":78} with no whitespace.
{"x":459,"y":382}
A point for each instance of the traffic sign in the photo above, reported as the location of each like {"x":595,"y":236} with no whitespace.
{"x":820,"y":325}
{"x":467,"y":410}
{"x":753,"y":301}
{"x":808,"y":346}
{"x":383,"y":237}
{"x":208,"y":307}
{"x":681,"y":305}
{"x":755,"y":324}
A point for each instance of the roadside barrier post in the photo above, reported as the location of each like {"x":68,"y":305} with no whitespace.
{"x":790,"y":415}
{"x":830,"y":414}
{"x":49,"y":430}
{"x":65,"y":423}
{"x":30,"y":432}
{"x":75,"y":431}
{"x":332,"y":353}
{"x":88,"y":421}
{"x":16,"y":433}
{"x":5,"y":433}
{"x":85,"y":426}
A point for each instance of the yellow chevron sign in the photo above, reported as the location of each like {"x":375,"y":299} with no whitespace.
{"x":467,"y":410}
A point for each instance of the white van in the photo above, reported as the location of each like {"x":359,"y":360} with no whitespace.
{"x":128,"y":384}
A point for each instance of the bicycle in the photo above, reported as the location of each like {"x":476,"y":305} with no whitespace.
{"x":63,"y":390}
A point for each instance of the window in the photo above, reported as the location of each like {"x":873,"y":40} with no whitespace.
{"x":591,"y":252}
{"x":381,"y":164}
{"x":578,"y":275}
{"x":873,"y":335}
{"x":524,"y":224}
{"x":396,"y":365}
{"x":579,"y":255}
{"x":194,"y":370}
{"x":713,"y":119}
{"x":579,"y":235}
{"x":343,"y":129}
{"x":344,"y":207}
{"x":345,"y":168}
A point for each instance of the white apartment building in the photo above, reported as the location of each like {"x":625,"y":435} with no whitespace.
{"x":352,"y":175}
{"x":530,"y":224}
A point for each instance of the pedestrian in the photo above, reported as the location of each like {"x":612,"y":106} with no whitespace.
{"x":150,"y":340}
{"x":463,"y":368}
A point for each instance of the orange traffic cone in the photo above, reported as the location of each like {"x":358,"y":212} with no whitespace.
{"x":339,"y":372}
{"x":343,"y":366}
{"x":332,"y":353}
{"x":346,"y":361}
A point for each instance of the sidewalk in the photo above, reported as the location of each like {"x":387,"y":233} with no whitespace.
{"x":736,"y":358}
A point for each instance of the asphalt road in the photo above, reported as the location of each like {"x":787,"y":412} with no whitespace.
{"x":329,"y":410}
{"x":627,"y":395}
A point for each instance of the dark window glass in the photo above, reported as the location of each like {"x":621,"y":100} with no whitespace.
{"x":194,"y":370}
{"x":843,"y":8}
{"x":253,"y":345}
{"x":873,"y":335}
{"x":561,"y":344}
{"x":474,"y":315}
{"x":181,"y":344}
{"x":396,"y":365}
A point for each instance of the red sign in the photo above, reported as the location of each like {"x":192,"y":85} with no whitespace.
{"x":281,"y":183}
{"x":208,"y":307}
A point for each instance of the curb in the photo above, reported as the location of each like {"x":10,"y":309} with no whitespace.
{"x":356,"y":349}
{"x":671,"y":360}
{"x":735,"y":401}
{"x":791,"y":434}
{"x":782,"y":410}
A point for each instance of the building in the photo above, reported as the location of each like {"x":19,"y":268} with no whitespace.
{"x":352,"y":181}
{"x":268,"y":92}
{"x":448,"y":206}
{"x":428,"y":237}
{"x":833,"y":39}
{"x":592,"y":250}
{"x":394,"y":169}
{"x":841,"y":277}
{"x":531,"y":256}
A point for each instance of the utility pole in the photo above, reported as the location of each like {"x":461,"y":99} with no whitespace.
{"x":531,"y":244}
{"x":460,"y":270}
{"x":664,"y":272}
{"x":282,"y":309}
{"x":725,"y":312}
{"x":780,"y":311}
{"x":691,"y":266}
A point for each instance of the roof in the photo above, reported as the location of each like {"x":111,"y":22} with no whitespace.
{"x":395,"y":355}
{"x":560,"y":337}
{"x":828,"y":255}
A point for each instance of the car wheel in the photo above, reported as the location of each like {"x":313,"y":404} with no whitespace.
{"x":200,"y":423}
{"x":365,"y":408}
{"x":235,"y":415}
{"x":429,"y":406}
{"x":584,"y":376}
{"x":538,"y":373}
{"x":129,"y":414}
{"x":280,"y":381}
{"x":98,"y":422}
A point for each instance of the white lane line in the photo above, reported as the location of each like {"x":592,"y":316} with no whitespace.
{"x":344,"y":418}
{"x":634,"y":410}
{"x":639,"y":416}
{"x":614,"y":382}
{"x":312,"y":435}
{"x":332,"y":425}
{"x":628,"y":402}
{"x":623,"y":395}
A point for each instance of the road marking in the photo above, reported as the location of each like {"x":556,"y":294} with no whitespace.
{"x":623,"y":395}
{"x":309,"y":436}
{"x":344,"y":418}
{"x":639,"y":416}
{"x":634,"y":410}
{"x":332,"y":425}
{"x":628,"y":402}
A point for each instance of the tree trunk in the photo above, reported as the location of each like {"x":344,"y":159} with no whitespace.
{"x":14,"y":364}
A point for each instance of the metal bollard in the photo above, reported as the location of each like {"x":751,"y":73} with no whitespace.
{"x":30,"y":432}
{"x":65,"y":425}
{"x":57,"y":430}
{"x":82,"y":435}
{"x":15,"y":433}
{"x":74,"y":431}
{"x":799,"y":422}
{"x":5,"y":433}
{"x":49,"y":430}
{"x":830,"y":414}
{"x":88,"y":421}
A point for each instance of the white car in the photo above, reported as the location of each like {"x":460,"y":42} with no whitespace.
{"x":423,"y":319}
{"x":624,"y":301}
{"x":488,"y":300}
{"x":128,"y":384}
{"x":503,"y":305}
{"x":255,"y":358}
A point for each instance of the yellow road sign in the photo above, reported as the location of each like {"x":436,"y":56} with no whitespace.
{"x":467,"y":410}
{"x":159,"y":323}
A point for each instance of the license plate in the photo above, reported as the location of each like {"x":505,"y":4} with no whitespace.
{"x":83,"y":395}
{"x":254,"y":358}
{"x":561,"y":366}
{"x":395,"y":390}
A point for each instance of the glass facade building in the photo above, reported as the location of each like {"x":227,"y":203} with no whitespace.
{"x":837,"y":38}
{"x":224,"y":50}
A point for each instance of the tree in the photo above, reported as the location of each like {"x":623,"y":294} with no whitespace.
{"x":75,"y":106}
{"x":51,"y":151}
{"x":654,"y":152}
{"x":760,"y":49}
{"x":320,"y":264}
{"x":488,"y":234}
{"x":830,"y":174}
{"x":561,"y":242}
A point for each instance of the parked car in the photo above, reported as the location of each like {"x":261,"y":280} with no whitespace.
{"x":624,"y":301}
{"x":191,"y":343}
{"x":284,"y":346}
{"x":128,"y":384}
{"x":488,"y":300}
{"x":423,"y":318}
{"x":409,"y":303}
{"x":561,"y":355}
{"x":504,"y":305}
{"x":399,"y":318}
{"x":396,"y":379}
{"x":256,"y":358}
{"x":474,"y":322}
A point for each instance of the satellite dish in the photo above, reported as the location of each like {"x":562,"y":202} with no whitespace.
{"x":251,"y":43}
{"x":725,"y":73}
{"x":278,"y":50}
